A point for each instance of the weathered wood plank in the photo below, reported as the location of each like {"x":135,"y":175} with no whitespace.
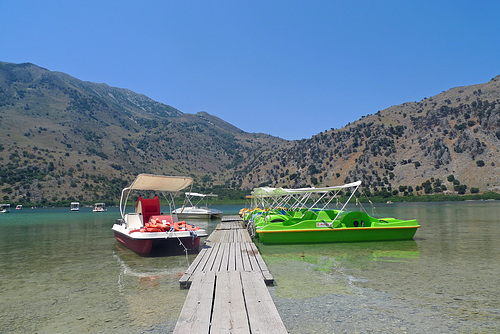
{"x":226,"y":218}
{"x":247,"y":236}
{"x":213,"y":237}
{"x":268,"y":278}
{"x":239,"y":257}
{"x":232,"y":257}
{"x":251,"y":257}
{"x":211,"y":259}
{"x":224,"y":257}
{"x":229,"y":312}
{"x":196,"y":312}
{"x":218,"y":259}
{"x":244,"y":257}
{"x":202,"y":256}
{"x":262,"y":313}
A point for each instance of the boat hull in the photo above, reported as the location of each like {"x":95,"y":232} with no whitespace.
{"x":328,"y":235}
{"x":197,"y":215}
{"x":158,"y":246}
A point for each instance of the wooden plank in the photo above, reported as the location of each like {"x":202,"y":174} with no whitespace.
{"x":213,"y":237}
{"x":223,"y":236}
{"x":225,"y":257}
{"x":262,"y":313}
{"x":218,"y":259}
{"x":229,"y":312}
{"x":268,"y":278}
{"x":213,"y":255}
{"x":247,"y":236}
{"x":185,"y":280}
{"x":227,"y":218}
{"x":196,"y":312}
{"x":236,"y":235}
{"x":232,"y":257}
{"x":238,"y":257}
{"x":247,"y":266}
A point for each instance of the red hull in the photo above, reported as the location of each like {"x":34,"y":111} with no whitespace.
{"x":157,"y":246}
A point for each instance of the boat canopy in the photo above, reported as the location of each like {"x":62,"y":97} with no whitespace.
{"x":294,"y":199}
{"x":160,"y":182}
{"x":268,"y":191}
{"x":201,"y":195}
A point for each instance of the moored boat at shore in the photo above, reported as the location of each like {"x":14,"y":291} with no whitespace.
{"x":4,"y":208}
{"x":99,"y":207}
{"x":147,"y":230}
{"x":75,"y":206}
{"x":195,"y":210}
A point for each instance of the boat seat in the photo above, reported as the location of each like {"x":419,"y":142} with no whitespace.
{"x":355,"y":219}
{"x":309,"y":215}
{"x":148,"y":207}
{"x":134,"y":221}
{"x":324,"y":216}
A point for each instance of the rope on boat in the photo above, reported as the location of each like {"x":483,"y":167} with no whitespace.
{"x":251,"y":229}
{"x":172,"y":230}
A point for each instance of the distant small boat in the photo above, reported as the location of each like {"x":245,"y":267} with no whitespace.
{"x":19,"y":207}
{"x":4,"y":208}
{"x":75,"y":206}
{"x":99,"y":207}
{"x":194,"y":210}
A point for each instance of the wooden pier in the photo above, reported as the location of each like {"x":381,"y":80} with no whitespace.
{"x":227,"y":281}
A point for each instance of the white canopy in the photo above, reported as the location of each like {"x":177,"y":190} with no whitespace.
{"x":160,"y":182}
{"x":268,"y":191}
{"x":201,"y":195}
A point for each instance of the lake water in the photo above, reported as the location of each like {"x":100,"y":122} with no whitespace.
{"x":62,"y":271}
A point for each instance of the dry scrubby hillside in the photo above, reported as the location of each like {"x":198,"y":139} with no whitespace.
{"x":447,"y":143}
{"x":63,"y":139}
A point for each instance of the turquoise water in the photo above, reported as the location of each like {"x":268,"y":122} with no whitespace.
{"x":62,"y":271}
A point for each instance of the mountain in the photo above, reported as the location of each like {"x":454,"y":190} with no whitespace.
{"x":63,"y":139}
{"x":448,"y":143}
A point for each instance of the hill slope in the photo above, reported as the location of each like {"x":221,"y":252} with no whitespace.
{"x":447,"y":143}
{"x":63,"y":139}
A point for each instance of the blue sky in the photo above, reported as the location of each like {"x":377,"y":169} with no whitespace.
{"x":287,"y":68}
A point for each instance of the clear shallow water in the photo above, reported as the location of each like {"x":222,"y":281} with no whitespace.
{"x":62,"y":271}
{"x":446,"y":280}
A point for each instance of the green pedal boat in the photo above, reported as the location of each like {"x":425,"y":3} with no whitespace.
{"x":291,"y":221}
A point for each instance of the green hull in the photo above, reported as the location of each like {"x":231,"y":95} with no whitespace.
{"x":336,"y":235}
{"x":348,"y":227}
